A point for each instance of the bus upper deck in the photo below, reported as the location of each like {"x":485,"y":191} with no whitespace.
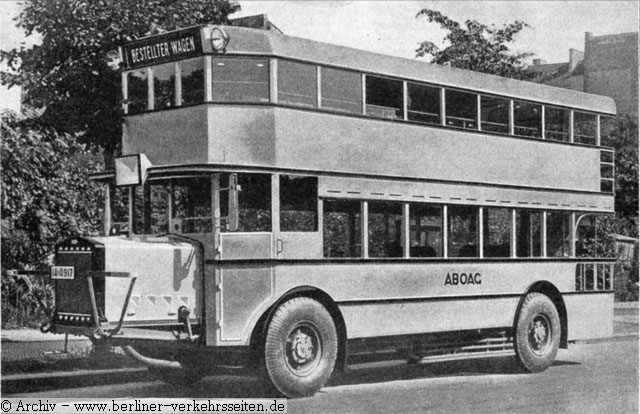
{"x":273,"y":101}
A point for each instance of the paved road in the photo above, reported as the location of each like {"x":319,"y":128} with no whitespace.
{"x":587,"y":378}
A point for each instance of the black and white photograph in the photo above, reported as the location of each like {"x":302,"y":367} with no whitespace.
{"x":319,"y":206}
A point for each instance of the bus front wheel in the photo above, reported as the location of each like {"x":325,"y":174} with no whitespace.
{"x":537,"y":335}
{"x":301,"y":347}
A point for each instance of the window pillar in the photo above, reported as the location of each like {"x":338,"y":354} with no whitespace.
{"x":598,"y":120}
{"x":318,"y":85}
{"x":572,"y":235}
{"x":405,"y":101}
{"x":125,"y":92}
{"x":405,"y":229}
{"x":478,"y":112}
{"x":177,"y":69}
{"x":543,"y":122}
{"x":150,"y":91}
{"x":364,"y":225}
{"x":512,"y":119}
{"x":445,"y":231}
{"x":273,"y":80}
{"x":544,"y":235}
{"x":215,"y":209}
{"x":571,"y":129}
{"x":364,"y":94}
{"x":513,"y":233}
{"x":107,"y":209}
{"x":481,"y":232}
{"x":208,"y":79}
{"x":275,"y":213}
{"x":443,"y":112}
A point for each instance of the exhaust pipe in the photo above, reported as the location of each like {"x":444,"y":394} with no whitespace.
{"x":151,"y":362}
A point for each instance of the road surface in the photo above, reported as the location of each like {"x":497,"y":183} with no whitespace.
{"x":587,"y":378}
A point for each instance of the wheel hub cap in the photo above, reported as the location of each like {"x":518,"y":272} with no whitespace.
{"x":302,"y":348}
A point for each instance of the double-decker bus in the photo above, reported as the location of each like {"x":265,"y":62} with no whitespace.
{"x":289,"y":207}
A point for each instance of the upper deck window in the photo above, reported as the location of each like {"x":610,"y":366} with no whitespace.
{"x":384,"y":97}
{"x":297,"y":84}
{"x":192,"y":75}
{"x":461,"y":109}
{"x":607,"y":130}
{"x":137,"y":88}
{"x":527,"y":119}
{"x":495,"y":114}
{"x":556,"y":122}
{"x":424,"y":103}
{"x":164,"y":86}
{"x":341,"y":90}
{"x":240,"y":80}
{"x":584,"y":128}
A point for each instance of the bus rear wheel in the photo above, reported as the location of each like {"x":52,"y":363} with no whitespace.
{"x":301,"y":347}
{"x":537,"y":336}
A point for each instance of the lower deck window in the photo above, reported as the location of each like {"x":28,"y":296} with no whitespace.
{"x":528,"y":233}
{"x":385,"y":229}
{"x":425,"y":231}
{"x":342,"y":232}
{"x":463,"y":231}
{"x":254,"y":202}
{"x":496,"y":232}
{"x":558,"y":234}
{"x":298,"y":203}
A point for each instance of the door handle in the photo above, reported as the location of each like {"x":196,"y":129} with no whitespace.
{"x":279,"y":246}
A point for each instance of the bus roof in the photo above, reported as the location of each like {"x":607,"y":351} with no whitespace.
{"x":260,"y":42}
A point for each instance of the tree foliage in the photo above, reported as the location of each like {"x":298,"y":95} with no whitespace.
{"x":623,"y":136}
{"x":46,"y":194}
{"x":475,"y":46}
{"x":67,"y":74}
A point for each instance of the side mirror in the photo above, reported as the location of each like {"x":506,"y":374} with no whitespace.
{"x":234,"y":211}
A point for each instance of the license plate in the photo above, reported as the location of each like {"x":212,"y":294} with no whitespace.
{"x":62,"y":272}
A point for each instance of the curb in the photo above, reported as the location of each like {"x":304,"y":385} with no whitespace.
{"x":19,"y":383}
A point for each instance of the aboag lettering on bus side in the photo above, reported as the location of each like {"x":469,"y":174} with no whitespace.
{"x":455,"y":279}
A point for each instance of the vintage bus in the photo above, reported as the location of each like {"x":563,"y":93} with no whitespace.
{"x":289,"y":207}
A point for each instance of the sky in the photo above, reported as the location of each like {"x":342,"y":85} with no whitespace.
{"x":390,"y":27}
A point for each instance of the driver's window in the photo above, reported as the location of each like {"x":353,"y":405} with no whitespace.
{"x":192,"y":205}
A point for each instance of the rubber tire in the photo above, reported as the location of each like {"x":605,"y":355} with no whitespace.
{"x":286,"y":317}
{"x":181,"y":377}
{"x":536,"y":304}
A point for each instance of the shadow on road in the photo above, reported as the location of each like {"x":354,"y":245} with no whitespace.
{"x":235,"y":386}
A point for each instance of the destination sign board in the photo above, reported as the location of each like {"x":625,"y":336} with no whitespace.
{"x":162,"y":48}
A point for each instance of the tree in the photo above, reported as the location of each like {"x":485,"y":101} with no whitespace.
{"x":46,"y":194}
{"x":623,"y":136}
{"x":475,"y":46}
{"x":68,"y":75}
